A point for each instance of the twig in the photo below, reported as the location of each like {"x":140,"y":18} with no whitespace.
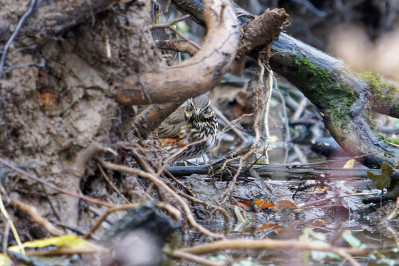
{"x":268,"y":94}
{"x":160,"y":183}
{"x":172,"y":210}
{"x":176,"y":214}
{"x":301,"y":157}
{"x":51,"y":204}
{"x":71,"y":228}
{"x":229,"y":124}
{"x":393,"y":214}
{"x":106,"y":213}
{"x":93,"y":248}
{"x":6,"y":233}
{"x":174,"y":155}
{"x":301,"y":107}
{"x":286,"y":122}
{"x":277,"y":244}
{"x":111,"y":183}
{"x":31,"y":211}
{"x":194,"y":258}
{"x":146,"y":167}
{"x":395,"y":235}
{"x":99,"y":213}
{"x":169,"y":25}
{"x":42,"y":64}
{"x":203,"y":203}
{"x":14,"y":35}
{"x":227,"y":127}
{"x":336,"y":197}
{"x":44,"y":182}
{"x":161,"y":26}
{"x":258,"y":120}
{"x":13,"y":229}
{"x":167,"y":173}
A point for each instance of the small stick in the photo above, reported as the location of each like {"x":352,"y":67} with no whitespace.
{"x":277,"y":244}
{"x":13,"y":229}
{"x":44,"y":182}
{"x":14,"y":35}
{"x":195,"y":258}
{"x":111,"y":183}
{"x":31,"y":211}
{"x":105,"y":214}
{"x":160,"y":183}
{"x":169,"y":25}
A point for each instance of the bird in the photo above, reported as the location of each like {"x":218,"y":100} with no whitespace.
{"x":193,"y":125}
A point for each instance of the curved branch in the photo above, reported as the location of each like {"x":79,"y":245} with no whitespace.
{"x":275,"y":244}
{"x":344,"y":99}
{"x":197,"y":75}
{"x":178,"y":46}
{"x":150,"y":119}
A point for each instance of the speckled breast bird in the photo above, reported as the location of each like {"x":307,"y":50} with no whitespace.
{"x":193,"y":122}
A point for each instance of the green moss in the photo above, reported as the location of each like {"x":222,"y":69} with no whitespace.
{"x":386,"y":140}
{"x":380,"y":90}
{"x":372,"y":123}
{"x":324,"y":91}
{"x":393,"y":141}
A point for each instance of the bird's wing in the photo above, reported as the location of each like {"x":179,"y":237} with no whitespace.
{"x":170,"y":131}
{"x":171,"y":126}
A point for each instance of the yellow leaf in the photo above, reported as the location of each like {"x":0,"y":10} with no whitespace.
{"x":383,"y":179}
{"x":59,"y":241}
{"x":349,"y":164}
{"x":4,"y":260}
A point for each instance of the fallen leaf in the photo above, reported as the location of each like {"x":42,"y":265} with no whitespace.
{"x":349,"y":164}
{"x":47,"y":99}
{"x":383,"y":179}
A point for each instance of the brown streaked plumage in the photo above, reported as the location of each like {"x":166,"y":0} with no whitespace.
{"x":194,"y":121}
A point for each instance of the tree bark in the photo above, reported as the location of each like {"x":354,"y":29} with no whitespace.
{"x":344,"y":99}
{"x":195,"y":76}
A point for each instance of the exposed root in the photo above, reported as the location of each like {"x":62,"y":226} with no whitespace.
{"x":170,"y":24}
{"x":262,"y":91}
{"x":346,"y":253}
{"x":11,"y":224}
{"x":31,"y":211}
{"x":158,"y":182}
{"x":393,"y":214}
{"x":175,"y":213}
{"x":44,"y":182}
{"x":111,"y":183}
{"x":194,"y":258}
{"x":87,"y":154}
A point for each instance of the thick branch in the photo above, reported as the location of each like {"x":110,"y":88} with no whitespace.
{"x":197,"y":75}
{"x":178,"y":46}
{"x":344,"y":98}
{"x":150,"y":119}
{"x":263,"y":30}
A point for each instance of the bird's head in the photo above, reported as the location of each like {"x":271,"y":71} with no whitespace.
{"x":199,"y":109}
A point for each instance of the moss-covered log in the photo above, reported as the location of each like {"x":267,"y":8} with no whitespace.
{"x":345,"y":99}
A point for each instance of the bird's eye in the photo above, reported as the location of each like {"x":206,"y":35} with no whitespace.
{"x":207,"y":110}
{"x":189,"y":108}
